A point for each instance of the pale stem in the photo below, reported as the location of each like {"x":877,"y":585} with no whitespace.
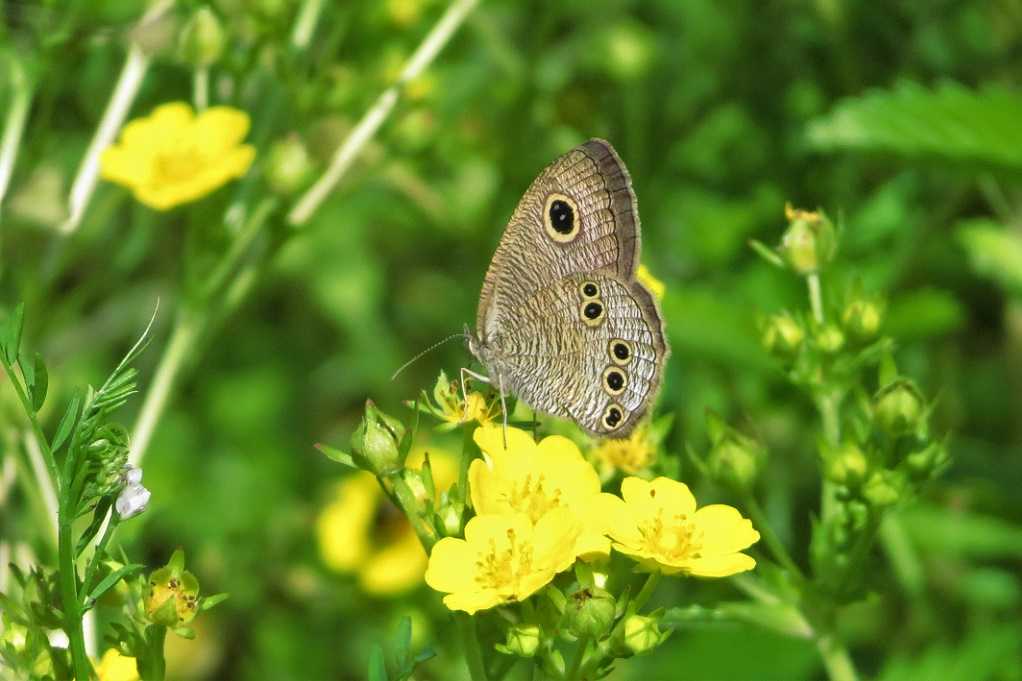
{"x":42,"y":474}
{"x":200,"y":88}
{"x":14,"y":125}
{"x":349,"y":150}
{"x":836,"y":659}
{"x":305,"y":24}
{"x":470,"y":642}
{"x":8,"y":473}
{"x":815,"y":296}
{"x":5,"y":570}
{"x":186,"y":331}
{"x":84,"y":185}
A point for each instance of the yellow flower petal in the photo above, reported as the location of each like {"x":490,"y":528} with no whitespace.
{"x":219,"y":128}
{"x":395,"y":568}
{"x":116,"y":667}
{"x":720,"y":566}
{"x":724,"y":529}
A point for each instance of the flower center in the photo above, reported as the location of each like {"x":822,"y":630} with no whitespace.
{"x":178,"y":165}
{"x":531,"y":496}
{"x":675,"y":540}
{"x":502,"y":569}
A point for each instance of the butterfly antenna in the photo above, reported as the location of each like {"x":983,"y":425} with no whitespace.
{"x":425,"y":352}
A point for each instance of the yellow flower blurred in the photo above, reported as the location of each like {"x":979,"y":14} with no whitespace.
{"x":658,"y":524}
{"x":655,"y":286}
{"x":503,"y":558}
{"x":633,"y":454}
{"x":360,"y":532}
{"x":448,"y":406}
{"x":173,"y":156}
{"x":116,"y":667}
{"x":536,"y":478}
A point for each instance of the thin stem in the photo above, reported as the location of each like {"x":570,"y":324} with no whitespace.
{"x":200,"y":88}
{"x":46,"y":488}
{"x":37,"y":431}
{"x":471,"y":648}
{"x":829,"y":406}
{"x":836,"y":659}
{"x":815,"y":297}
{"x":112,"y":521}
{"x":366,"y":128}
{"x":400,"y":490}
{"x":14,"y":125}
{"x":68,"y":576}
{"x":305,"y":24}
{"x":645,"y":593}
{"x":773,"y":542}
{"x":576,"y":659}
{"x":186,"y":331}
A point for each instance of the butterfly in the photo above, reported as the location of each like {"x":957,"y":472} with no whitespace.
{"x":562,"y":322}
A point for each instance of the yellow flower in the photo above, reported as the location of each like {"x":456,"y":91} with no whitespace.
{"x":536,"y":478}
{"x":448,"y":406}
{"x":632,"y":454}
{"x":655,"y":286}
{"x":116,"y":667}
{"x":503,"y":558}
{"x":658,"y":524}
{"x":173,"y":156}
{"x":361,"y":532}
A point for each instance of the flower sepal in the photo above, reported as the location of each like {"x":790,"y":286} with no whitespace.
{"x":379,"y":444}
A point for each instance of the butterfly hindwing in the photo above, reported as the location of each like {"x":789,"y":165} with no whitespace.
{"x":589,"y":347}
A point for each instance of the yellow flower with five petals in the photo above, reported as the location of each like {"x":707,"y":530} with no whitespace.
{"x":536,"y":478}
{"x":659,"y":525}
{"x":502,"y":559}
{"x":173,"y":156}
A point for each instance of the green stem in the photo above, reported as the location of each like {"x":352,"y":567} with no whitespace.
{"x":645,"y":593}
{"x":773,"y":542}
{"x":97,"y":555}
{"x":829,"y":406}
{"x":200,"y":88}
{"x":14,"y":124}
{"x":815,"y":297}
{"x":68,"y":576}
{"x":153,"y":666}
{"x":471,"y":648}
{"x":576,"y":659}
{"x":37,"y":431}
{"x":399,"y":489}
{"x":836,"y":659}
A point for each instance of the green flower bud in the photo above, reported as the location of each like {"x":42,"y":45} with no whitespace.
{"x":861,"y":319}
{"x":522,"y":640}
{"x":884,"y":488}
{"x":734,"y":459}
{"x":590,"y":612}
{"x":857,"y":514}
{"x":898,"y":408}
{"x":450,"y":517}
{"x":847,"y":465}
{"x":172,"y":593}
{"x":106,"y":457}
{"x":289,"y":166}
{"x":783,"y":335}
{"x":928,"y":461}
{"x":809,"y":242}
{"x":830,"y":339}
{"x":202,"y":40}
{"x":640,"y":634}
{"x":376,"y":444}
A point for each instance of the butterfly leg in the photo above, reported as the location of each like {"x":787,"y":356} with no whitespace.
{"x":503,"y":406}
{"x":464,"y":392}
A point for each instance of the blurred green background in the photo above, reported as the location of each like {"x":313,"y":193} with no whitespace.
{"x":903,"y":120}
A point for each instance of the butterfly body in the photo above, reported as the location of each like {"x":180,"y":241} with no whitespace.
{"x":562,"y":323}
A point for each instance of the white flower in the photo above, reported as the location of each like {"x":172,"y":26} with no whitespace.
{"x":133,"y":497}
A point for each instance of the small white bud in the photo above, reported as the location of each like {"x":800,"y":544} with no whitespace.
{"x":132,"y":500}
{"x":132,"y":475}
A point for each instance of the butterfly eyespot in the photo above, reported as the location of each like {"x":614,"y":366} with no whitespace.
{"x":614,"y":380}
{"x":592,"y":313}
{"x":589,"y":290}
{"x":613,"y":416}
{"x":560,"y":218}
{"x":620,"y":351}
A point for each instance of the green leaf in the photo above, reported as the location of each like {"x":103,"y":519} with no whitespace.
{"x":67,"y":423}
{"x":980,"y":656}
{"x":12,"y":334}
{"x":950,"y":123}
{"x":923,"y":313}
{"x":111,"y":579}
{"x":962,"y":533}
{"x":377,"y":668}
{"x":336,"y":455}
{"x":98,"y":516}
{"x":42,"y":383}
{"x":210,"y":602}
{"x":403,"y":640}
{"x":994,"y":253}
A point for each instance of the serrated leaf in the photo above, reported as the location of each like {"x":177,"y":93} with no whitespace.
{"x":950,"y":123}
{"x":336,"y":455}
{"x":67,"y":423}
{"x":377,"y":668}
{"x":111,"y":579}
{"x":12,"y":334}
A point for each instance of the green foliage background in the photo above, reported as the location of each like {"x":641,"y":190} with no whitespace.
{"x":903,"y":119}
